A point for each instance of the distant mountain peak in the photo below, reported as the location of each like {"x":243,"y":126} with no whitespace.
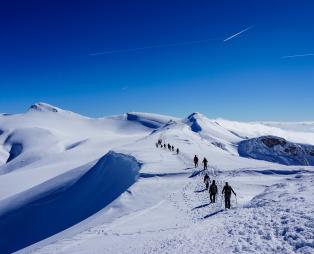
{"x":195,"y":114}
{"x":193,"y":121}
{"x":44,"y":107}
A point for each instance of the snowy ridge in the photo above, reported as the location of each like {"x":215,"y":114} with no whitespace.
{"x":142,"y":198}
{"x":69,"y":202}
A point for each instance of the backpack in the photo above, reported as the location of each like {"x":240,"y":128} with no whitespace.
{"x":213,"y":189}
{"x":227,"y":190}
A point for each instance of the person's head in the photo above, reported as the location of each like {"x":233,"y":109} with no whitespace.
{"x":214,"y":181}
{"x":227,"y":184}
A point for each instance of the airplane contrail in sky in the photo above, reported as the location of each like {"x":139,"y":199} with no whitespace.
{"x":237,"y":34}
{"x":152,"y":47}
{"x":168,"y":45}
{"x":300,"y":55}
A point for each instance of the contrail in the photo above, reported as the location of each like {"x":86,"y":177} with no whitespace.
{"x":152,"y":47}
{"x":300,"y":55}
{"x":237,"y":34}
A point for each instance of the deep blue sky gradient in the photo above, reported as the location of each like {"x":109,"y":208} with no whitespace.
{"x":46,"y":47}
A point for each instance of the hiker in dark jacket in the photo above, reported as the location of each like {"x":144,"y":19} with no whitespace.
{"x":178,"y":150}
{"x":227,"y":190}
{"x":213,"y":192}
{"x":195,"y":161}
{"x":205,"y":163}
{"x":206,"y":180}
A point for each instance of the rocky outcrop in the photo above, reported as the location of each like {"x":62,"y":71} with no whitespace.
{"x":277,"y":149}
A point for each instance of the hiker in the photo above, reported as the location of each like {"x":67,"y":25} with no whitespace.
{"x":164,"y":146}
{"x":178,"y":151}
{"x":227,"y":190}
{"x":159,"y":141}
{"x":169,"y":147}
{"x":205,"y":163}
{"x":157,"y":145}
{"x":213,"y":192}
{"x":195,"y":161}
{"x":172,"y":148}
{"x":206,"y":180}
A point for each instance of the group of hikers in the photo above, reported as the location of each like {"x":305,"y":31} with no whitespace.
{"x":205,"y":161}
{"x":165,"y":146}
{"x":213,"y":190}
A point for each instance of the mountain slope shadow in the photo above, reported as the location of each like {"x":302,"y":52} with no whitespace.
{"x":64,"y":206}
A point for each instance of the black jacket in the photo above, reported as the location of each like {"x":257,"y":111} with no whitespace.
{"x":227,"y":190}
{"x":213,"y":188}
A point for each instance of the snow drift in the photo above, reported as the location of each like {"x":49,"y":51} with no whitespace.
{"x":43,"y":214}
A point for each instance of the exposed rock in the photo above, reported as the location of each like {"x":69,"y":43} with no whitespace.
{"x":277,"y":149}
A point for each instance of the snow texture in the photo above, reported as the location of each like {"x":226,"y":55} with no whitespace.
{"x":73,"y":184}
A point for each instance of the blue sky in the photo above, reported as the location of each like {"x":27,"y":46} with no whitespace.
{"x":47,"y":53}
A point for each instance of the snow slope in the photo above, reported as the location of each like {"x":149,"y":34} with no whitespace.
{"x":64,"y":205}
{"x":275,"y":149}
{"x":78,"y":198}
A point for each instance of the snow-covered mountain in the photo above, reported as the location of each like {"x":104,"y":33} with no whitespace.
{"x":73,"y":184}
{"x":275,"y":149}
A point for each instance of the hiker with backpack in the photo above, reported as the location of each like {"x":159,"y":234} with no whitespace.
{"x":205,"y":163}
{"x":213,"y":192}
{"x":227,"y":190}
{"x":195,"y":161}
{"x":206,"y":180}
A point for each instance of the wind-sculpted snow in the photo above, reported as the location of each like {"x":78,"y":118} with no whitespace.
{"x":16,"y":150}
{"x":29,"y":145}
{"x":276,"y":149}
{"x":42,"y":214}
{"x":152,"y":121}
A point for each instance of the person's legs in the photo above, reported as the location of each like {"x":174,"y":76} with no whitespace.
{"x":214,"y":198}
{"x":228,"y":202}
